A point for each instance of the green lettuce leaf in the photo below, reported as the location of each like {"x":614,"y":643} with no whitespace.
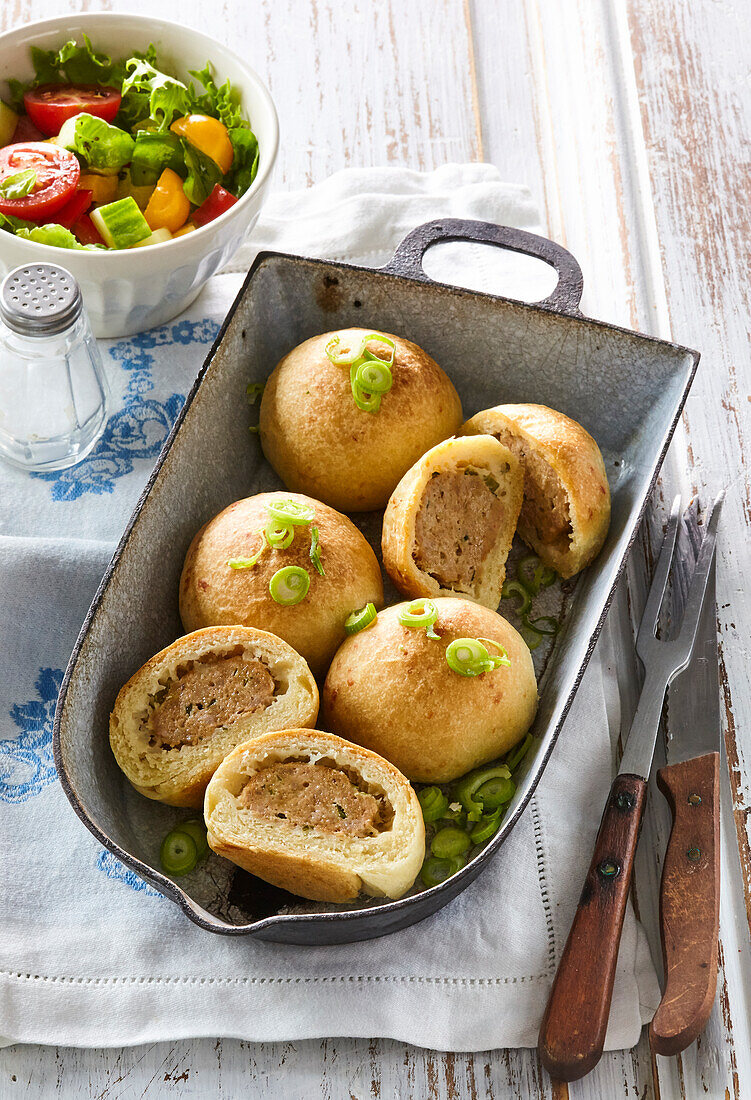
{"x":11,"y":223}
{"x":203,"y":173}
{"x":104,"y":148}
{"x":219,"y":102}
{"x":245,"y":161}
{"x":56,"y":235}
{"x":155,"y":151}
{"x":71,"y":64}
{"x":144,"y":84}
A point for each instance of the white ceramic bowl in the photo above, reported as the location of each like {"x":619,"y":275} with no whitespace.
{"x":135,"y":289}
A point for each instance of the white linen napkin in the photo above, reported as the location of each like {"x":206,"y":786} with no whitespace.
{"x":92,"y":956}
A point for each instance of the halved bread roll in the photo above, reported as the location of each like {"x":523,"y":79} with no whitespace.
{"x":316,"y":815}
{"x":178,"y":717}
{"x":566,"y":511}
{"x":449,"y":525}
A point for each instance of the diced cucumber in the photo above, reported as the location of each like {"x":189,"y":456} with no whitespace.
{"x":8,"y":122}
{"x":159,"y":236}
{"x":121,"y":224}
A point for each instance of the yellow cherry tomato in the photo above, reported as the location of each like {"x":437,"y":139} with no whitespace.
{"x":169,"y":206}
{"x":103,"y":188}
{"x":209,"y":135}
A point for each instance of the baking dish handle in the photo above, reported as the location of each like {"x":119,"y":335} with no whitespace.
{"x":407,"y":260}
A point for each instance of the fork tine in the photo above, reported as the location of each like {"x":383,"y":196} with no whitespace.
{"x":648,"y":624}
{"x":699,"y":581}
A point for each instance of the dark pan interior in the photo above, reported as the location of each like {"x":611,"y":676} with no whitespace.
{"x":627,"y":390}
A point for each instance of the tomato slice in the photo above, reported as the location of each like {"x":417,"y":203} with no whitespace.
{"x":73,"y":209}
{"x":86,"y":232}
{"x":50,"y":105}
{"x":57,"y":174}
{"x":25,"y":131}
{"x":217,"y":203}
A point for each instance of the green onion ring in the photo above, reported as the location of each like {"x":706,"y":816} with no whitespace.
{"x":487,"y":826}
{"x":512,"y":588}
{"x":289,"y":586}
{"x":435,"y":871}
{"x":365,"y":401}
{"x":545,"y":624}
{"x":252,"y":391}
{"x":315,"y":551}
{"x":450,"y":842}
{"x":178,"y":853}
{"x":515,"y":757}
{"x":468,"y":657}
{"x":531,"y":636}
{"x":495,"y":792}
{"x":195,"y":827}
{"x":433,"y":803}
{"x":343,"y":358}
{"x":381,"y":339}
{"x":468,"y":786}
{"x":526,"y":572}
{"x":279,"y":535}
{"x":497,"y":659}
{"x":421,"y":612}
{"x":291,"y":512}
{"x":360,"y":620}
{"x":544,"y":576}
{"x":248,"y":563}
{"x":374,"y":376}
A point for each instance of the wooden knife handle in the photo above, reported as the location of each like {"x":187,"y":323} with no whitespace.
{"x":573,"y":1028}
{"x":689,"y":902}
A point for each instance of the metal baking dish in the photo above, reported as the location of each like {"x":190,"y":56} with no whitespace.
{"x":627,"y":389}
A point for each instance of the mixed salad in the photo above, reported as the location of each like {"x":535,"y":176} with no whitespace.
{"x":96,"y":153}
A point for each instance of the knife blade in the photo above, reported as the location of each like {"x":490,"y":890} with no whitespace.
{"x":690,"y":886}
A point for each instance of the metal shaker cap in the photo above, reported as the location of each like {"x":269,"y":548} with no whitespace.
{"x":39,"y":300}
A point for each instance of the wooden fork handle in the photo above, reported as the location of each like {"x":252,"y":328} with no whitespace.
{"x":573,"y":1028}
{"x":689,"y":902}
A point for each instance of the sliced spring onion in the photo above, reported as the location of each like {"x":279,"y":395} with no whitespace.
{"x":196,"y":830}
{"x":419,"y":613}
{"x":450,"y":842}
{"x":487,"y":826}
{"x":346,"y":356}
{"x":497,"y":659}
{"x":545,"y":624}
{"x":374,"y":376}
{"x":315,"y":551}
{"x":513,"y":588}
{"x":253,"y":390}
{"x":254,"y":429}
{"x":290,"y":585}
{"x":469,"y":785}
{"x":515,"y":757}
{"x":380,"y":339}
{"x":468,"y":657}
{"x":366,"y":402}
{"x":531,"y":636}
{"x":360,"y":620}
{"x":178,"y":853}
{"x":435,"y":871}
{"x":248,"y":563}
{"x":279,"y":535}
{"x":544,"y":576}
{"x":495,"y":792}
{"x":291,"y":512}
{"x":433,"y":803}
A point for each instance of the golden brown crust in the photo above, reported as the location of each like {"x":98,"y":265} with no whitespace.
{"x":211,"y":592}
{"x":321,"y":444}
{"x":392,"y":690}
{"x":314,"y":863}
{"x":399,"y":540}
{"x":574,"y":456}
{"x":179,"y":777}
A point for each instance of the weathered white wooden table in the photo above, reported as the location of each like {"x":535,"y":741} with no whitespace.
{"x":630,"y":121}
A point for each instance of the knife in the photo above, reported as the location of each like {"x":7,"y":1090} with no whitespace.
{"x":572,"y":1034}
{"x":690,"y":887}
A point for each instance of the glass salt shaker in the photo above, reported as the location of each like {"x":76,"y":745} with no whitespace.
{"x":53,"y":391}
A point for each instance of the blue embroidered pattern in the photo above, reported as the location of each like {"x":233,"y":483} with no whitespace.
{"x":140,"y":428}
{"x":26,"y":765}
{"x":116,"y":870}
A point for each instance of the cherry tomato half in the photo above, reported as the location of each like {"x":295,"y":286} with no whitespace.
{"x":218,"y":202}
{"x":25,"y":131}
{"x":57,"y":174}
{"x":50,"y":105}
{"x":79,"y":202}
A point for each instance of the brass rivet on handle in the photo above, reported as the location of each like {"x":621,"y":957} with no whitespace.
{"x":694,"y":854}
{"x":694,"y":800}
{"x":609,"y":868}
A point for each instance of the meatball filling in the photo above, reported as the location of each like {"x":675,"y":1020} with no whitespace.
{"x":315,"y":795}
{"x":545,"y":508}
{"x":457,"y":525}
{"x":208,"y":696}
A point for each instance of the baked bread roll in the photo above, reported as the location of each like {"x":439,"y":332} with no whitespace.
{"x":449,"y":526}
{"x":322,"y":444}
{"x":178,"y":717}
{"x":214,"y":593}
{"x":566,"y":510}
{"x":316,"y":815}
{"x":391,"y":689}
